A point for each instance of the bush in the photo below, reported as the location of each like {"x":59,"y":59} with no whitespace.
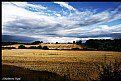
{"x":21,"y":47}
{"x":79,"y":42}
{"x":39,"y":47}
{"x":45,"y":48}
{"x":109,"y":72}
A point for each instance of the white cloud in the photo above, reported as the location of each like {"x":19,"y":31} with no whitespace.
{"x":25,"y":5}
{"x":55,"y":27}
{"x":61,"y":39}
{"x":64,"y":4}
{"x":58,"y":15}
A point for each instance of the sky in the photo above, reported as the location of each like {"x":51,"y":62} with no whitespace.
{"x":62,"y":21}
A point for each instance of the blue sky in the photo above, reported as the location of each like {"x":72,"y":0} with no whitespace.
{"x":62,"y":21}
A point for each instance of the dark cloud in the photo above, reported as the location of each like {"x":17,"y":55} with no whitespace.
{"x":15,"y":38}
{"x":115,"y":35}
{"x":112,"y":35}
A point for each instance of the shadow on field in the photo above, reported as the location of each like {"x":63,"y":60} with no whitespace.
{"x":21,"y":74}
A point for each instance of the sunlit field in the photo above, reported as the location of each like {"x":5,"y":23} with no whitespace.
{"x":50,"y":46}
{"x":72,"y":64}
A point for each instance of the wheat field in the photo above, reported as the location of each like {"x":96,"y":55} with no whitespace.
{"x":50,"y":46}
{"x":76,"y":65}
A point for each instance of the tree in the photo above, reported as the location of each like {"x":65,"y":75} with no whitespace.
{"x":39,"y":47}
{"x":21,"y":47}
{"x":73,"y":42}
{"x":36,"y":42}
{"x":41,"y":42}
{"x":56,"y":42}
{"x":45,"y":48}
{"x":105,"y":44}
{"x":78,"y":42}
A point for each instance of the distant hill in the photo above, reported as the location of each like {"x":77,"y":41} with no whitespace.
{"x":15,"y":38}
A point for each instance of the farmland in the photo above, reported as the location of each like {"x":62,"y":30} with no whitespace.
{"x":72,"y":64}
{"x":50,"y":46}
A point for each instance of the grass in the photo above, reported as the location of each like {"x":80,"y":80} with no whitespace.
{"x":74,"y":65}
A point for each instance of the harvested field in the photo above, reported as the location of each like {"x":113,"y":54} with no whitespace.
{"x":50,"y":46}
{"x":74,"y":65}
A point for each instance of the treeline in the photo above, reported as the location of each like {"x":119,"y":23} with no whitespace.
{"x":39,"y":42}
{"x":104,"y":44}
{"x":33,"y":47}
{"x":8,"y":43}
{"x":92,"y":44}
{"x":12,"y":43}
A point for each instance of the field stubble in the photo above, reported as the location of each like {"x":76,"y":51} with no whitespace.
{"x":76,"y":65}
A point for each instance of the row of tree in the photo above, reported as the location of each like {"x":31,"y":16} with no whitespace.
{"x":104,"y":44}
{"x":93,"y":44}
{"x":33,"y":47}
{"x":38,"y":42}
{"x":8,"y":43}
{"x":11,"y":43}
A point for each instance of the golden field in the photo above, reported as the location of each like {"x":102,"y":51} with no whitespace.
{"x":50,"y":46}
{"x":73,"y":64}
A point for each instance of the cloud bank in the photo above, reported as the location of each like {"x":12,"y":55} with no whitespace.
{"x":37,"y":21}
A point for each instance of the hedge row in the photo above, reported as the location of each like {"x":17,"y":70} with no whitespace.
{"x":33,"y":47}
